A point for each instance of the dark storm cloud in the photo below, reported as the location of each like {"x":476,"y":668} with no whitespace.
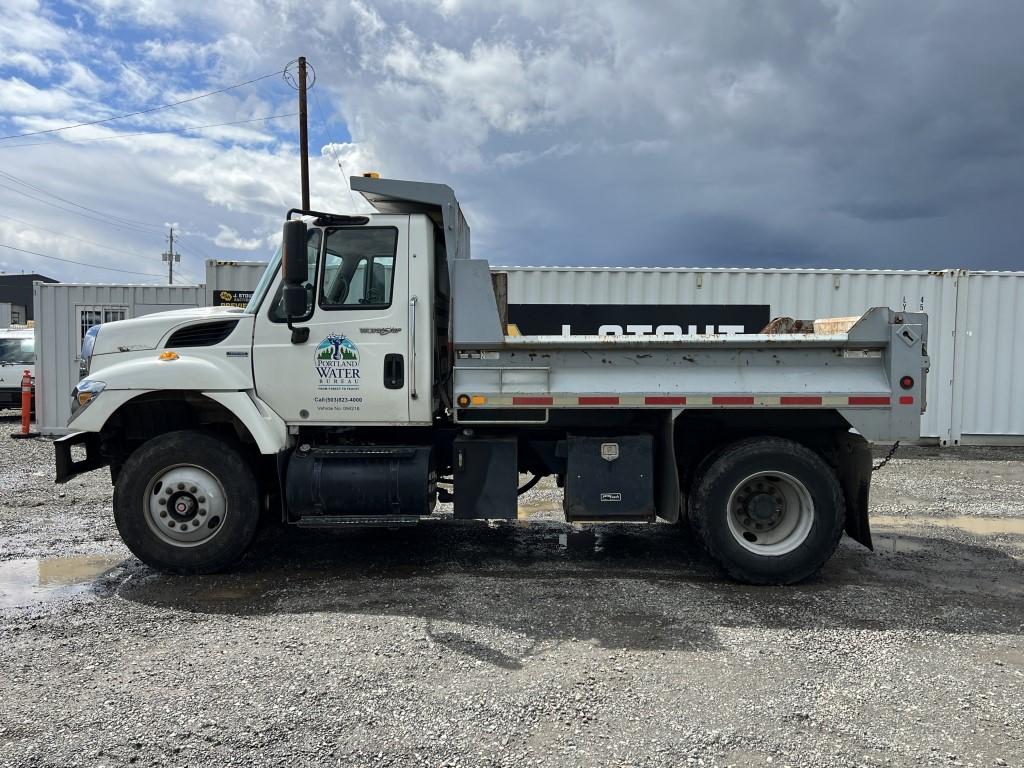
{"x":824,"y":133}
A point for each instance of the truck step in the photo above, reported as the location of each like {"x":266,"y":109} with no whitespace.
{"x":357,"y":521}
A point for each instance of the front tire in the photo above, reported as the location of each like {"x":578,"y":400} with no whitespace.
{"x":187,"y":502}
{"x":768,"y":510}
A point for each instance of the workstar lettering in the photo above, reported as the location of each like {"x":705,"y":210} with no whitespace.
{"x":337,"y":363}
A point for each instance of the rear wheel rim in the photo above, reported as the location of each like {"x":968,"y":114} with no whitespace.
{"x":185,"y":505}
{"x":770,"y":513}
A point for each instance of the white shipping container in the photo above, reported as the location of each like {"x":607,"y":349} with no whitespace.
{"x":989,"y":379}
{"x":973,"y":377}
{"x":976,"y":320}
{"x":231,"y":282}
{"x":64,"y":312}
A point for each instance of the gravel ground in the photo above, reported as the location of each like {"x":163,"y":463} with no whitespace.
{"x":539,"y":644}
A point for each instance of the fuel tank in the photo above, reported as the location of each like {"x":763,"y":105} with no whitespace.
{"x":360,"y":480}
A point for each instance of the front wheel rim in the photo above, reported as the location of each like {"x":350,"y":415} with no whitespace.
{"x":770,"y":513}
{"x":185,"y":505}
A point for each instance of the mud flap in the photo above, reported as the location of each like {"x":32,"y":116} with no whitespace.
{"x":667,"y":496}
{"x":854,"y":470}
{"x":65,"y":463}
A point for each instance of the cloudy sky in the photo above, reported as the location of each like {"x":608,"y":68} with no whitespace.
{"x":825,"y":133}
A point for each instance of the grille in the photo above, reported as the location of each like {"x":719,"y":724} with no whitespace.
{"x":202,"y":334}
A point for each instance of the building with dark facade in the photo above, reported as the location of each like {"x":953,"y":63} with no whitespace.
{"x":16,"y":290}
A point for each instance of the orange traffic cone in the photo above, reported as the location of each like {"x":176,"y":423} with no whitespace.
{"x":26,"y":408}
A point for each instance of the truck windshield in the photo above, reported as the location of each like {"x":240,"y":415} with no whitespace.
{"x":264,"y":283}
{"x":17,"y":351}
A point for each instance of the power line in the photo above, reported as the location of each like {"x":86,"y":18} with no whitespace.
{"x":79,"y":263}
{"x":148,"y":133}
{"x":66,"y":209}
{"x":121,"y":219}
{"x":69,"y":237}
{"x":191,"y":247}
{"x":327,"y":131}
{"x":141,"y":111}
{"x":40,"y":189}
{"x":84,"y":215}
{"x":183,"y":279}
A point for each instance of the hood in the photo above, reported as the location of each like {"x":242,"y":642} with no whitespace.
{"x":148,"y":331}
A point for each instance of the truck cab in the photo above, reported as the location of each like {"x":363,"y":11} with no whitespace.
{"x":368,"y":336}
{"x":371,"y":376}
{"x":17,"y":355}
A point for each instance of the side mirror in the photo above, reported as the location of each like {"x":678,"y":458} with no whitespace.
{"x":294,"y":300}
{"x":295,"y":273}
{"x":294,"y":258}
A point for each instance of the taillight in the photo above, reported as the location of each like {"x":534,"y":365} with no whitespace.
{"x":907,"y":382}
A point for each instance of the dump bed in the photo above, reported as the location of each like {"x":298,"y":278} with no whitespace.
{"x":873,"y":374}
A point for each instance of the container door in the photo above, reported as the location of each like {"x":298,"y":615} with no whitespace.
{"x":88,"y":316}
{"x":354,"y":367}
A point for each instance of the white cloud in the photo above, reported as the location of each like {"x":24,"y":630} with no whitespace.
{"x":229,"y":238}
{"x":81,"y":78}
{"x":20,"y":97}
{"x":23,"y":61}
{"x":368,"y":19}
{"x":174,"y":51}
{"x":26,"y":26}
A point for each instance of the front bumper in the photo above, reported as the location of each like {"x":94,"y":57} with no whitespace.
{"x":67,"y":467}
{"x":10,"y":397}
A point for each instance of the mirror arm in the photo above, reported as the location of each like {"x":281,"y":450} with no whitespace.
{"x":299,"y":335}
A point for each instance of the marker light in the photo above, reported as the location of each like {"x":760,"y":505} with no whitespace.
{"x":907,"y":382}
{"x":462,"y":401}
{"x":168,"y":355}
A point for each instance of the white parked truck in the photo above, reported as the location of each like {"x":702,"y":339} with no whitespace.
{"x":17,"y":355}
{"x":371,"y":375}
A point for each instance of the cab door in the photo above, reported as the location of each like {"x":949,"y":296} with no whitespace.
{"x":354,"y":366}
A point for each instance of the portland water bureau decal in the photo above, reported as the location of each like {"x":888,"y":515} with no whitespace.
{"x":337,"y":363}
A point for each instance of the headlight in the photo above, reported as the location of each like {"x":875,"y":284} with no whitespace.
{"x":88,"y":344}
{"x":84,"y":393}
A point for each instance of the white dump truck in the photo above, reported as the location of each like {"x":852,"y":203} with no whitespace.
{"x":372,"y":375}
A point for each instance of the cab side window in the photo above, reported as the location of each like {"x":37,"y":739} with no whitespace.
{"x":276,"y":313}
{"x":359,"y":268}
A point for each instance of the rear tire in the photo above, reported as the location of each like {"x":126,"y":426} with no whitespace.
{"x":768,"y":510}
{"x":187,"y":502}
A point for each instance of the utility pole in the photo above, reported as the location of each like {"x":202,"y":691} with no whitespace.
{"x":170,"y":257}
{"x":303,"y":137}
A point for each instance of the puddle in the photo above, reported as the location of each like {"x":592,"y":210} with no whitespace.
{"x":987,"y":526}
{"x":232,"y":593}
{"x":526,"y":511}
{"x":29,"y":581}
{"x":898,"y":544}
{"x":582,"y":541}
{"x":202,"y":592}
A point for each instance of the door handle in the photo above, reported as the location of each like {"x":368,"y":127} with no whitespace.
{"x":394,"y":371}
{"x":412,"y":345}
